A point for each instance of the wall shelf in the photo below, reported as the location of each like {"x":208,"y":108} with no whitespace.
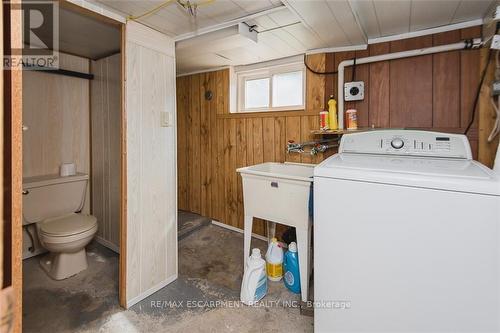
{"x":342,"y":131}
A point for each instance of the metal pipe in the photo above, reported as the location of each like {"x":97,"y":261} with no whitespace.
{"x":474,"y":43}
{"x":298,"y":147}
{"x":321,"y":148}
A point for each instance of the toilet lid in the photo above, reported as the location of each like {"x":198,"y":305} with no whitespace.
{"x":68,"y":225}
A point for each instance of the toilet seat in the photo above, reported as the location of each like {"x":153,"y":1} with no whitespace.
{"x":73,"y":225}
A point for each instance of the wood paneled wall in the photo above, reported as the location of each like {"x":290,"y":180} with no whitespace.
{"x":3,"y":298}
{"x":429,"y":92}
{"x":56,"y":110}
{"x":212,"y":143}
{"x":434,"y":91}
{"x":151,"y":235}
{"x":105,"y":114}
{"x":486,"y":113}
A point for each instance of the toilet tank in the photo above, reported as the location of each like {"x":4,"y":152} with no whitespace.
{"x":52,"y":196}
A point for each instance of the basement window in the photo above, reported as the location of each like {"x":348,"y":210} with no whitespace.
{"x":271,"y":88}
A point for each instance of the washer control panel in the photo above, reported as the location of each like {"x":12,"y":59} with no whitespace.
{"x":397,"y":143}
{"x":407,"y":142}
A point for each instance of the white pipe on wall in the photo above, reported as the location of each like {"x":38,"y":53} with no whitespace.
{"x":390,"y":56}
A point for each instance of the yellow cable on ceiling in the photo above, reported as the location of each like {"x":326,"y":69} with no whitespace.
{"x":165,"y":4}
{"x":152,"y":11}
{"x":198,"y":4}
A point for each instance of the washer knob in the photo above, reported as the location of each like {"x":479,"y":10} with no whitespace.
{"x":397,"y":143}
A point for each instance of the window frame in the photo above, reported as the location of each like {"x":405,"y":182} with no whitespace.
{"x":268,"y":72}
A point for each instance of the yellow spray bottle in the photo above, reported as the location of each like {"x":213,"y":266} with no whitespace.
{"x":332,"y":112}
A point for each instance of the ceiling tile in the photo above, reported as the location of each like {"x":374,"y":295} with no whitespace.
{"x":252,"y":6}
{"x":347,"y":21}
{"x":283,"y":17}
{"x":305,"y":36}
{"x":319,"y":16}
{"x":198,"y":63}
{"x":241,"y":55}
{"x":431,"y":13}
{"x":393,"y":16}
{"x":471,"y":10}
{"x":368,"y":17}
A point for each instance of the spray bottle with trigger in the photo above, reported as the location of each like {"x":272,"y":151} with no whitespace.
{"x":332,"y":112}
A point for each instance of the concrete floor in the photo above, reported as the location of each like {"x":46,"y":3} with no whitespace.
{"x":203,"y":299}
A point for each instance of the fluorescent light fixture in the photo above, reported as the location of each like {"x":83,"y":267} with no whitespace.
{"x":239,"y":35}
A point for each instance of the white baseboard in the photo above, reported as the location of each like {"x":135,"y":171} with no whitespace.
{"x":151,"y":291}
{"x":107,"y":244}
{"x":230,"y":227}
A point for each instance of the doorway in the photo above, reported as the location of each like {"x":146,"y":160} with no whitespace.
{"x":73,"y":116}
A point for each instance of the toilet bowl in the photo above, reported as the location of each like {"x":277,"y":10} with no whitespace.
{"x":54,"y":204}
{"x":65,"y":238}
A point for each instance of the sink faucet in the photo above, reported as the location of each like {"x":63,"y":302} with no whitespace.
{"x":321,"y":148}
{"x":293,"y":147}
{"x":317,"y":146}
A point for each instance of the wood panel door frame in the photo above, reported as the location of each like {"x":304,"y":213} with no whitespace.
{"x":16,"y":163}
{"x":122,"y":275}
{"x":12,"y":163}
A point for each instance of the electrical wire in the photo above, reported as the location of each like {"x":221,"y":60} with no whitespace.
{"x":185,"y":5}
{"x":152,"y":11}
{"x":328,"y":73}
{"x":496,"y":126}
{"x":280,"y":27}
{"x":496,"y":104}
{"x":353,"y":70}
{"x":478,"y":92}
{"x":316,"y":72}
{"x":193,"y":7}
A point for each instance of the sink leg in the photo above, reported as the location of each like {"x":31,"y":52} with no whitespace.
{"x":247,"y":233}
{"x":271,"y":230}
{"x":303,"y":247}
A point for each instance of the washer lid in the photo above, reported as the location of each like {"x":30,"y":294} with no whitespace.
{"x":437,"y":173}
{"x":67,"y":225}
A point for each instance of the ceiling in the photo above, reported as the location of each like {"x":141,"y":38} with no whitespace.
{"x":290,"y":27}
{"x":86,"y":36}
{"x":384,"y":17}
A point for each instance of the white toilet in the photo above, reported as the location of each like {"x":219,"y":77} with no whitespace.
{"x":54,"y":204}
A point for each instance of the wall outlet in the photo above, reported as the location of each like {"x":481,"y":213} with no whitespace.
{"x":495,"y":42}
{"x":354,"y":91}
{"x":166,"y":120}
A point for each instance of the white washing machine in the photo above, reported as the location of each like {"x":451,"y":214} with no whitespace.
{"x":406,"y":236}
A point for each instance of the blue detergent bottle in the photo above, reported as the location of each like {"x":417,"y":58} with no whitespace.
{"x":291,"y":267}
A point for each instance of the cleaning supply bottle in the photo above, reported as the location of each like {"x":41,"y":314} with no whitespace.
{"x":332,"y":113}
{"x":291,"y":266}
{"x":254,"y":284}
{"x":324,"y":120}
{"x":274,"y":260}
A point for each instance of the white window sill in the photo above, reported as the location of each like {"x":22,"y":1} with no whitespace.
{"x":280,"y":109}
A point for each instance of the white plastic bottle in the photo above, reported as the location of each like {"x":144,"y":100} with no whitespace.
{"x":274,"y":259}
{"x":254,"y":284}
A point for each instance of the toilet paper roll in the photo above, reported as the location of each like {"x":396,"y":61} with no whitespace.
{"x":67,"y":169}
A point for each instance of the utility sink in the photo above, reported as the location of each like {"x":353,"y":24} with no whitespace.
{"x":278,"y":192}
